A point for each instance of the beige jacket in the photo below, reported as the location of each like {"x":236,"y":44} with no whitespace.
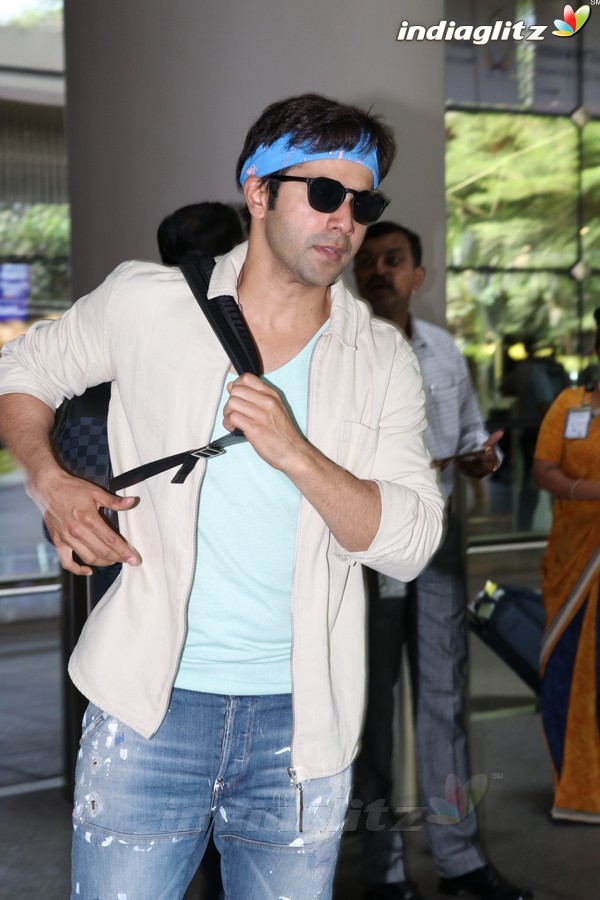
{"x":142,"y":330}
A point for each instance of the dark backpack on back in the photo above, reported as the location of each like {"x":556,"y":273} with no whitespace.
{"x":80,"y":435}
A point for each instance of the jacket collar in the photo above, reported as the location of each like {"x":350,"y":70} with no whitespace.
{"x":343,"y":322}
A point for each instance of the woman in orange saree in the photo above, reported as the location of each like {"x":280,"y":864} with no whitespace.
{"x":567,"y":464}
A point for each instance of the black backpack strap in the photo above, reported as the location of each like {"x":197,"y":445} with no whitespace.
{"x":187,"y":460}
{"x":140,"y":473}
{"x":228,"y":323}
{"x":224,"y":315}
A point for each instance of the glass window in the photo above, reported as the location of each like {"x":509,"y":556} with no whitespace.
{"x":511,"y":198}
{"x":490,"y":313}
{"x":35,"y":242}
{"x":40,"y":14}
{"x":523,"y":258}
{"x":590,"y":187}
{"x":34,"y":255}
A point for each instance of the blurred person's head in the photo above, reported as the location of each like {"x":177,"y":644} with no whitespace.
{"x":209,"y":227}
{"x":388,"y":269}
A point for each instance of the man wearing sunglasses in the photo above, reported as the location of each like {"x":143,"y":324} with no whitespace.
{"x":226,"y":666}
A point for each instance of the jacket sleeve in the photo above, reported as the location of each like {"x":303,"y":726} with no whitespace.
{"x":412,"y":506}
{"x":63,"y":357}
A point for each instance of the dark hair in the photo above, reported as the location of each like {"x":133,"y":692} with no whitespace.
{"x":597,"y":341}
{"x":380,"y":228}
{"x":321,"y":124}
{"x":212,"y":228}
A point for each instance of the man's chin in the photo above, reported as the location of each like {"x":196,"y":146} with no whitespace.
{"x":325,"y":274}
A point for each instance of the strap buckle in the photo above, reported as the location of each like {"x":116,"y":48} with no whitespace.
{"x":209,"y":452}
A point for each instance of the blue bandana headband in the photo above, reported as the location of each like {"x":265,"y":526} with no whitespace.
{"x":282,"y":155}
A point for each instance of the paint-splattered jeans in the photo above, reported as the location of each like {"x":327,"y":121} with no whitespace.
{"x":144,"y":809}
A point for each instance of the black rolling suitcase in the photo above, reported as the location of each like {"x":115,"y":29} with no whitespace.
{"x":511,"y":621}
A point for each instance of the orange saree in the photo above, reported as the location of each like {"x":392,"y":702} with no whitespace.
{"x":570,"y":665}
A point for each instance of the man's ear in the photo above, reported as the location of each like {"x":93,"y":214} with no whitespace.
{"x":418,"y":278}
{"x":256,"y":193}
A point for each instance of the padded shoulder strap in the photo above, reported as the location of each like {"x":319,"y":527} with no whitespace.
{"x":224,"y":315}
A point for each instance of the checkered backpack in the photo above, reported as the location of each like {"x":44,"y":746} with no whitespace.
{"x":80,"y":435}
{"x":80,"y":438}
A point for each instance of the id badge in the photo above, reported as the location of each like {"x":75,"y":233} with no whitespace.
{"x":577,"y":426}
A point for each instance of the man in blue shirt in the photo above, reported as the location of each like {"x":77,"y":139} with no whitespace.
{"x":432,"y":620}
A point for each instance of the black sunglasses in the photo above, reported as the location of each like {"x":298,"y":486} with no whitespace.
{"x":326,"y":195}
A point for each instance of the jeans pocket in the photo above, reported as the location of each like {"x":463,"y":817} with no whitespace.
{"x":93,"y":718}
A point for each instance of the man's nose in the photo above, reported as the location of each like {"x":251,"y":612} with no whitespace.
{"x":341,"y":219}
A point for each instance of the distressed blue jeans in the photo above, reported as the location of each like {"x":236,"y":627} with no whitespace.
{"x":144,"y":809}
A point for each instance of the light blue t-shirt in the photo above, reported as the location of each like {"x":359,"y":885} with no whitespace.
{"x":239,"y":619}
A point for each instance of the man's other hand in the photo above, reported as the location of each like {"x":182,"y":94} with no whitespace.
{"x":483,"y":462}
{"x":71,"y":510}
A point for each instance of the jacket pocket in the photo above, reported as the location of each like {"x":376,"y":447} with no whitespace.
{"x":358,"y":447}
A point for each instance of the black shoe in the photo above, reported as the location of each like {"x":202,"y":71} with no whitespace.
{"x":485,"y":883}
{"x":397,"y":890}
